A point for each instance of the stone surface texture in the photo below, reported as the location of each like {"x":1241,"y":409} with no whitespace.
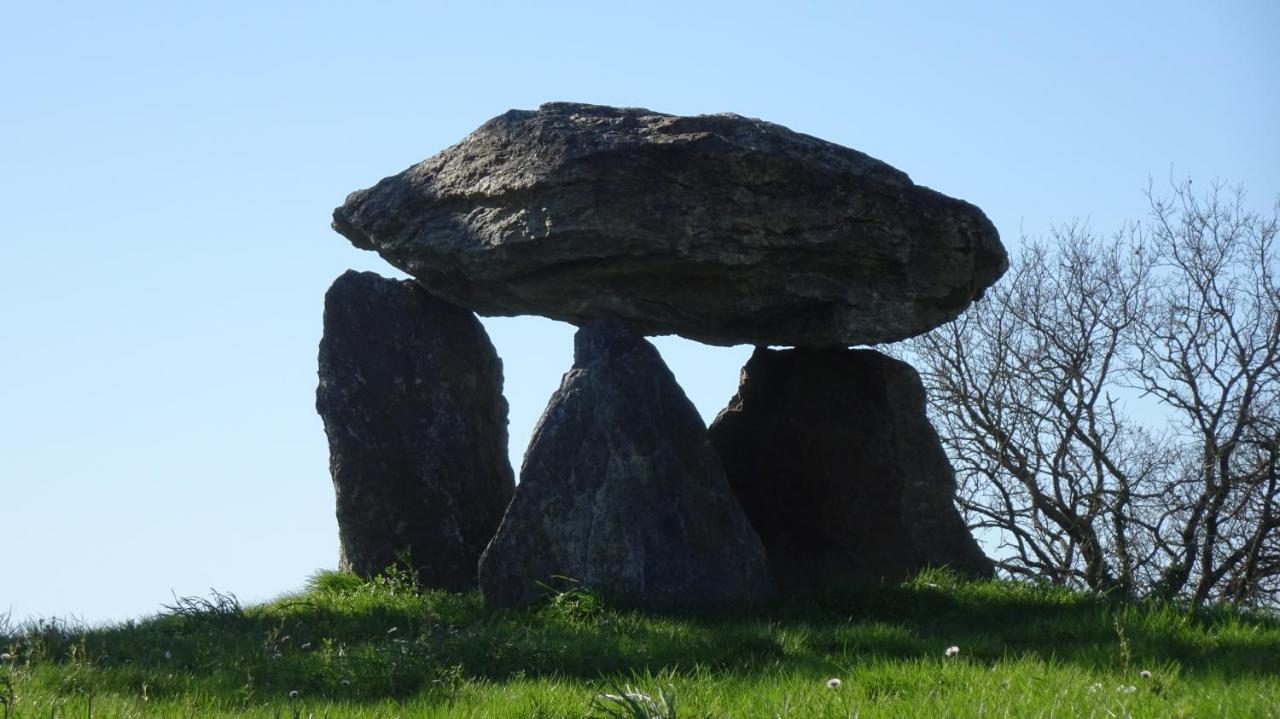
{"x":720,"y":228}
{"x":621,"y":492}
{"x":842,"y":475}
{"x":411,"y":397}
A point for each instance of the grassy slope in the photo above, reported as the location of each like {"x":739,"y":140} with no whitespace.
{"x":379,"y":649}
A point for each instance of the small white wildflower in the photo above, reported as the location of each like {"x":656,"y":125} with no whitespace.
{"x":1144,"y":674}
{"x":1126,"y":689}
{"x":276,"y":655}
{"x":953,"y":651}
{"x":1095,"y":687}
{"x":293,"y":694}
{"x":833,"y":683}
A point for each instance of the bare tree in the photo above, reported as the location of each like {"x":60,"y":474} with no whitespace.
{"x":1112,"y":407}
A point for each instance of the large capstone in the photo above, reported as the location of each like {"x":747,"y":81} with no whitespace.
{"x":411,"y":397}
{"x":720,"y":228}
{"x":844,"y":478}
{"x":621,"y":492}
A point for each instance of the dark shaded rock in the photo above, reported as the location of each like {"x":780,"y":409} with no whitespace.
{"x":621,"y":491}
{"x":720,"y":228}
{"x":411,"y":397}
{"x":833,"y":459}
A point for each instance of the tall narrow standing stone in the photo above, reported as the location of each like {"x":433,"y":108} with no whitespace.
{"x":835,"y":462}
{"x":411,"y":397}
{"x":621,"y":491}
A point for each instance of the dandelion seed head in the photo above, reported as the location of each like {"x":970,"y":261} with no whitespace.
{"x":833,"y":683}
{"x":293,"y":694}
{"x":1145,"y":674}
{"x":953,"y":651}
{"x":168,"y":655}
{"x":345,"y":682}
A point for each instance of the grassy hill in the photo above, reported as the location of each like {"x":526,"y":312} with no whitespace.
{"x":347,"y":648}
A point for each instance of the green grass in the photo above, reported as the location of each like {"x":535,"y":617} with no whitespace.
{"x":380,"y":649}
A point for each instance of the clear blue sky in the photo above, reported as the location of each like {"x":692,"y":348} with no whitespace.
{"x":167,"y":171}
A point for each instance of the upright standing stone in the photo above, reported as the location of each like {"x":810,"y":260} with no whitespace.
{"x":621,"y":491}
{"x":411,"y":397}
{"x":834,"y":460}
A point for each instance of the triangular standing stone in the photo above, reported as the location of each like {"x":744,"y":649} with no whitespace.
{"x":622,"y":492}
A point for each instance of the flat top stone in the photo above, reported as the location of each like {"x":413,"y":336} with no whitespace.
{"x":720,"y":228}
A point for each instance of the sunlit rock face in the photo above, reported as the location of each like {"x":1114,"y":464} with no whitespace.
{"x":720,"y":228}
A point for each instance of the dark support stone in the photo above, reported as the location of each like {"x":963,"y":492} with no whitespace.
{"x":834,"y":460}
{"x":411,"y":397}
{"x":621,"y":491}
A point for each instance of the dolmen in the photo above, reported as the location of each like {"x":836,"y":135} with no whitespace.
{"x":822,"y":473}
